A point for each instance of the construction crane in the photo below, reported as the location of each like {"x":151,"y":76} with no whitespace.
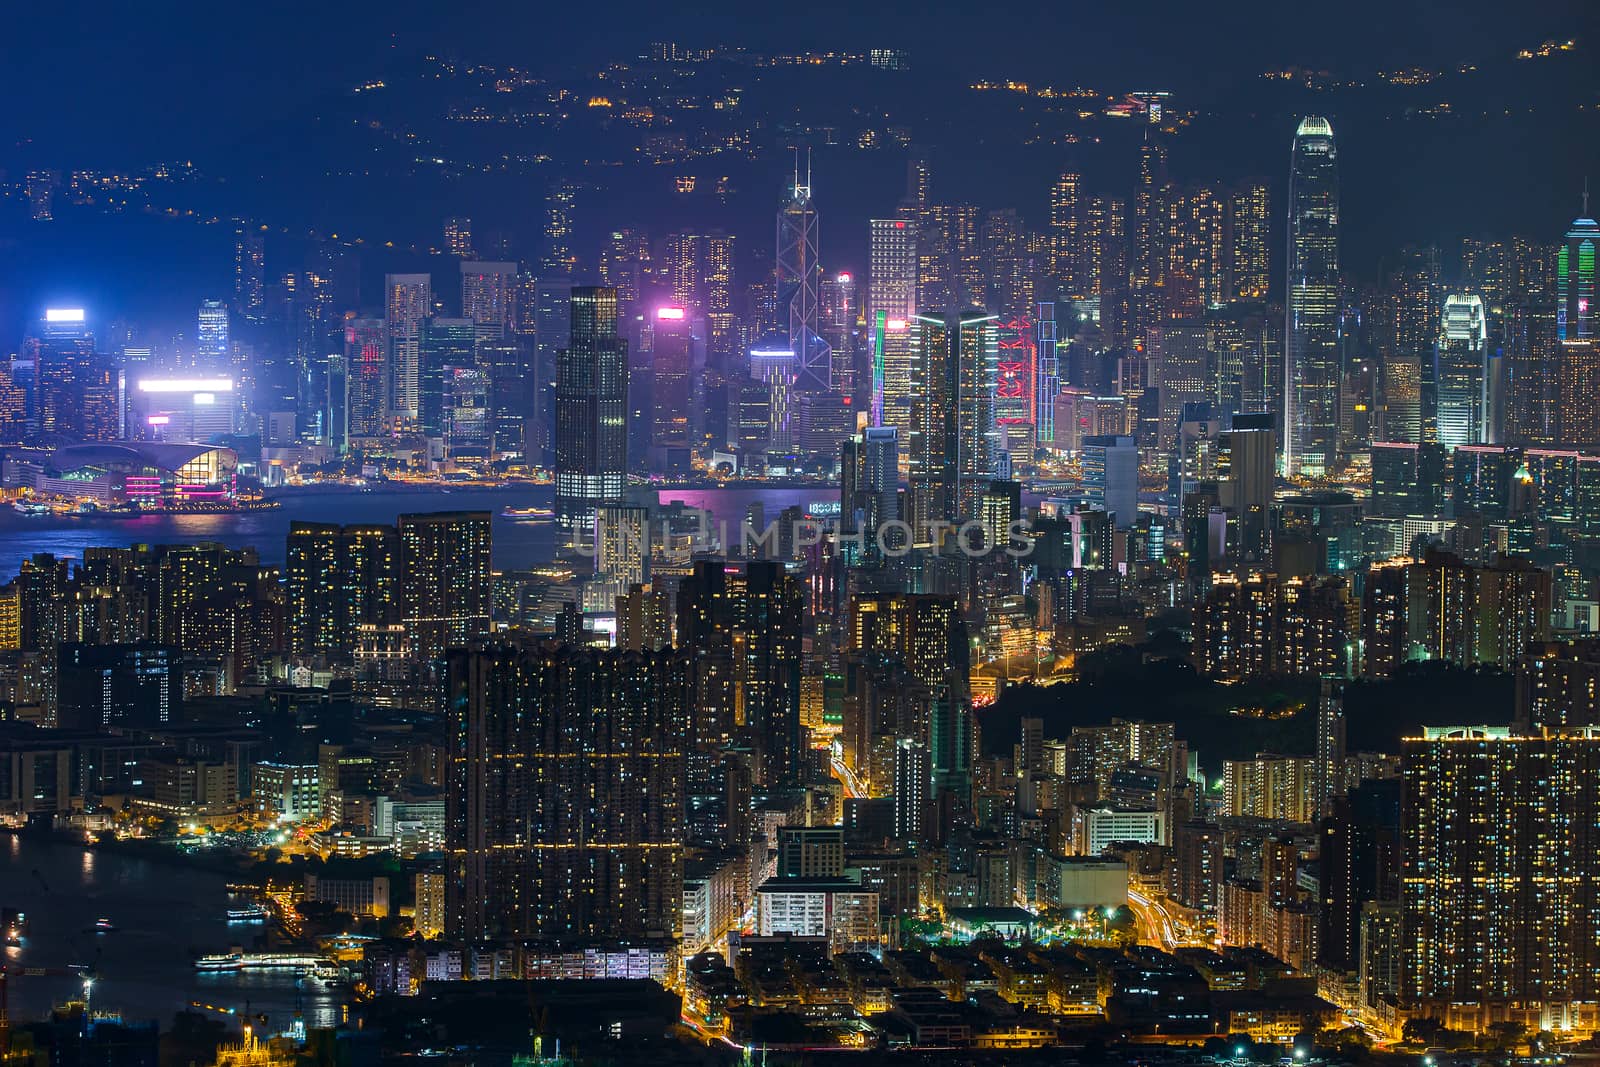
{"x":10,"y":971}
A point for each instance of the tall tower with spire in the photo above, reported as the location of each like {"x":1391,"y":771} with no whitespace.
{"x":799,"y":277}
{"x":1575,"y":308}
{"x":1311,"y":298}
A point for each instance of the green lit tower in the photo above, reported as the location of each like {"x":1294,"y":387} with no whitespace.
{"x":1575,"y":279}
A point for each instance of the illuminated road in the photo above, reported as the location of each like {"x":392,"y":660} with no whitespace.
{"x":1155,"y":921}
{"x":852,"y":785}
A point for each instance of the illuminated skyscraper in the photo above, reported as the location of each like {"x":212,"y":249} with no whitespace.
{"x":591,"y":442}
{"x":1066,"y":236}
{"x":669,"y":390}
{"x":1247,"y":264}
{"x":952,"y":444}
{"x":1047,"y":385}
{"x":408,"y":301}
{"x":1575,"y":280}
{"x":458,"y":237}
{"x":445,"y":580}
{"x":249,"y":269}
{"x":1461,"y":379}
{"x":1150,"y":229}
{"x":76,"y":391}
{"x":1500,"y":860}
{"x":1311,"y":331}
{"x":798,"y":276}
{"x":441,"y":344}
{"x":212,"y":351}
{"x":560,"y":201}
{"x":339,"y":578}
{"x":366,"y":351}
{"x":487,"y":295}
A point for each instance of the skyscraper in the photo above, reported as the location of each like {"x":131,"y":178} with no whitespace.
{"x":1066,"y":235}
{"x":1311,"y":331}
{"x":1575,"y":280}
{"x":565,"y":802}
{"x":487,"y":295}
{"x":212,"y":352}
{"x":249,"y":269}
{"x":591,"y":441}
{"x":408,"y":301}
{"x":1500,"y":858}
{"x":76,"y":390}
{"x":798,"y":276}
{"x":445,"y":579}
{"x":1461,"y":379}
{"x":366,"y":361}
{"x":952,"y":442}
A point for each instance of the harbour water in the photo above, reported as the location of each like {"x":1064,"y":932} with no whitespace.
{"x":162,"y":914}
{"x":518,"y":543}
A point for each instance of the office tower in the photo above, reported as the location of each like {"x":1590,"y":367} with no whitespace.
{"x":1360,"y":853}
{"x":560,"y":203}
{"x":118,"y":687}
{"x":1575,"y":280}
{"x":212,"y":352}
{"x":1499,"y":869}
{"x":1461,"y":378}
{"x":1067,"y":246}
{"x":743,"y":632}
{"x":952,"y":443}
{"x":506,"y":365}
{"x":564,"y":806}
{"x":442,"y":344}
{"x":1015,"y":378}
{"x":76,"y":391}
{"x":1247,"y":255}
{"x":670,"y":387}
{"x":1182,"y":356}
{"x":458,"y":237}
{"x":366,"y":362}
{"x":870,"y":480}
{"x":798,"y":275}
{"x":591,"y":441}
{"x":488,"y":296}
{"x":445,"y":580}
{"x":1311,"y":331}
{"x":1111,"y":476}
{"x":249,"y":269}
{"x":1246,"y":469}
{"x":408,"y":301}
{"x":552,"y":332}
{"x":891,"y":269}
{"x":840,"y":305}
{"x":1047,"y":386}
{"x":13,"y":404}
{"x":468,"y":425}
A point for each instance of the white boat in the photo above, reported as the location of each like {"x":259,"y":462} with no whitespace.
{"x":253,"y":913}
{"x":224,"y":961}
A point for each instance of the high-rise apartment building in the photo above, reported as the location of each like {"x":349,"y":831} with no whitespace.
{"x":565,"y":799}
{"x":445,"y":580}
{"x":408,"y":302}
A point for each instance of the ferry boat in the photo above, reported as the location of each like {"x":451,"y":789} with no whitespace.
{"x":251,"y":913}
{"x":222,"y":961}
{"x":29,"y":507}
{"x":528,"y":514}
{"x":103,"y":926}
